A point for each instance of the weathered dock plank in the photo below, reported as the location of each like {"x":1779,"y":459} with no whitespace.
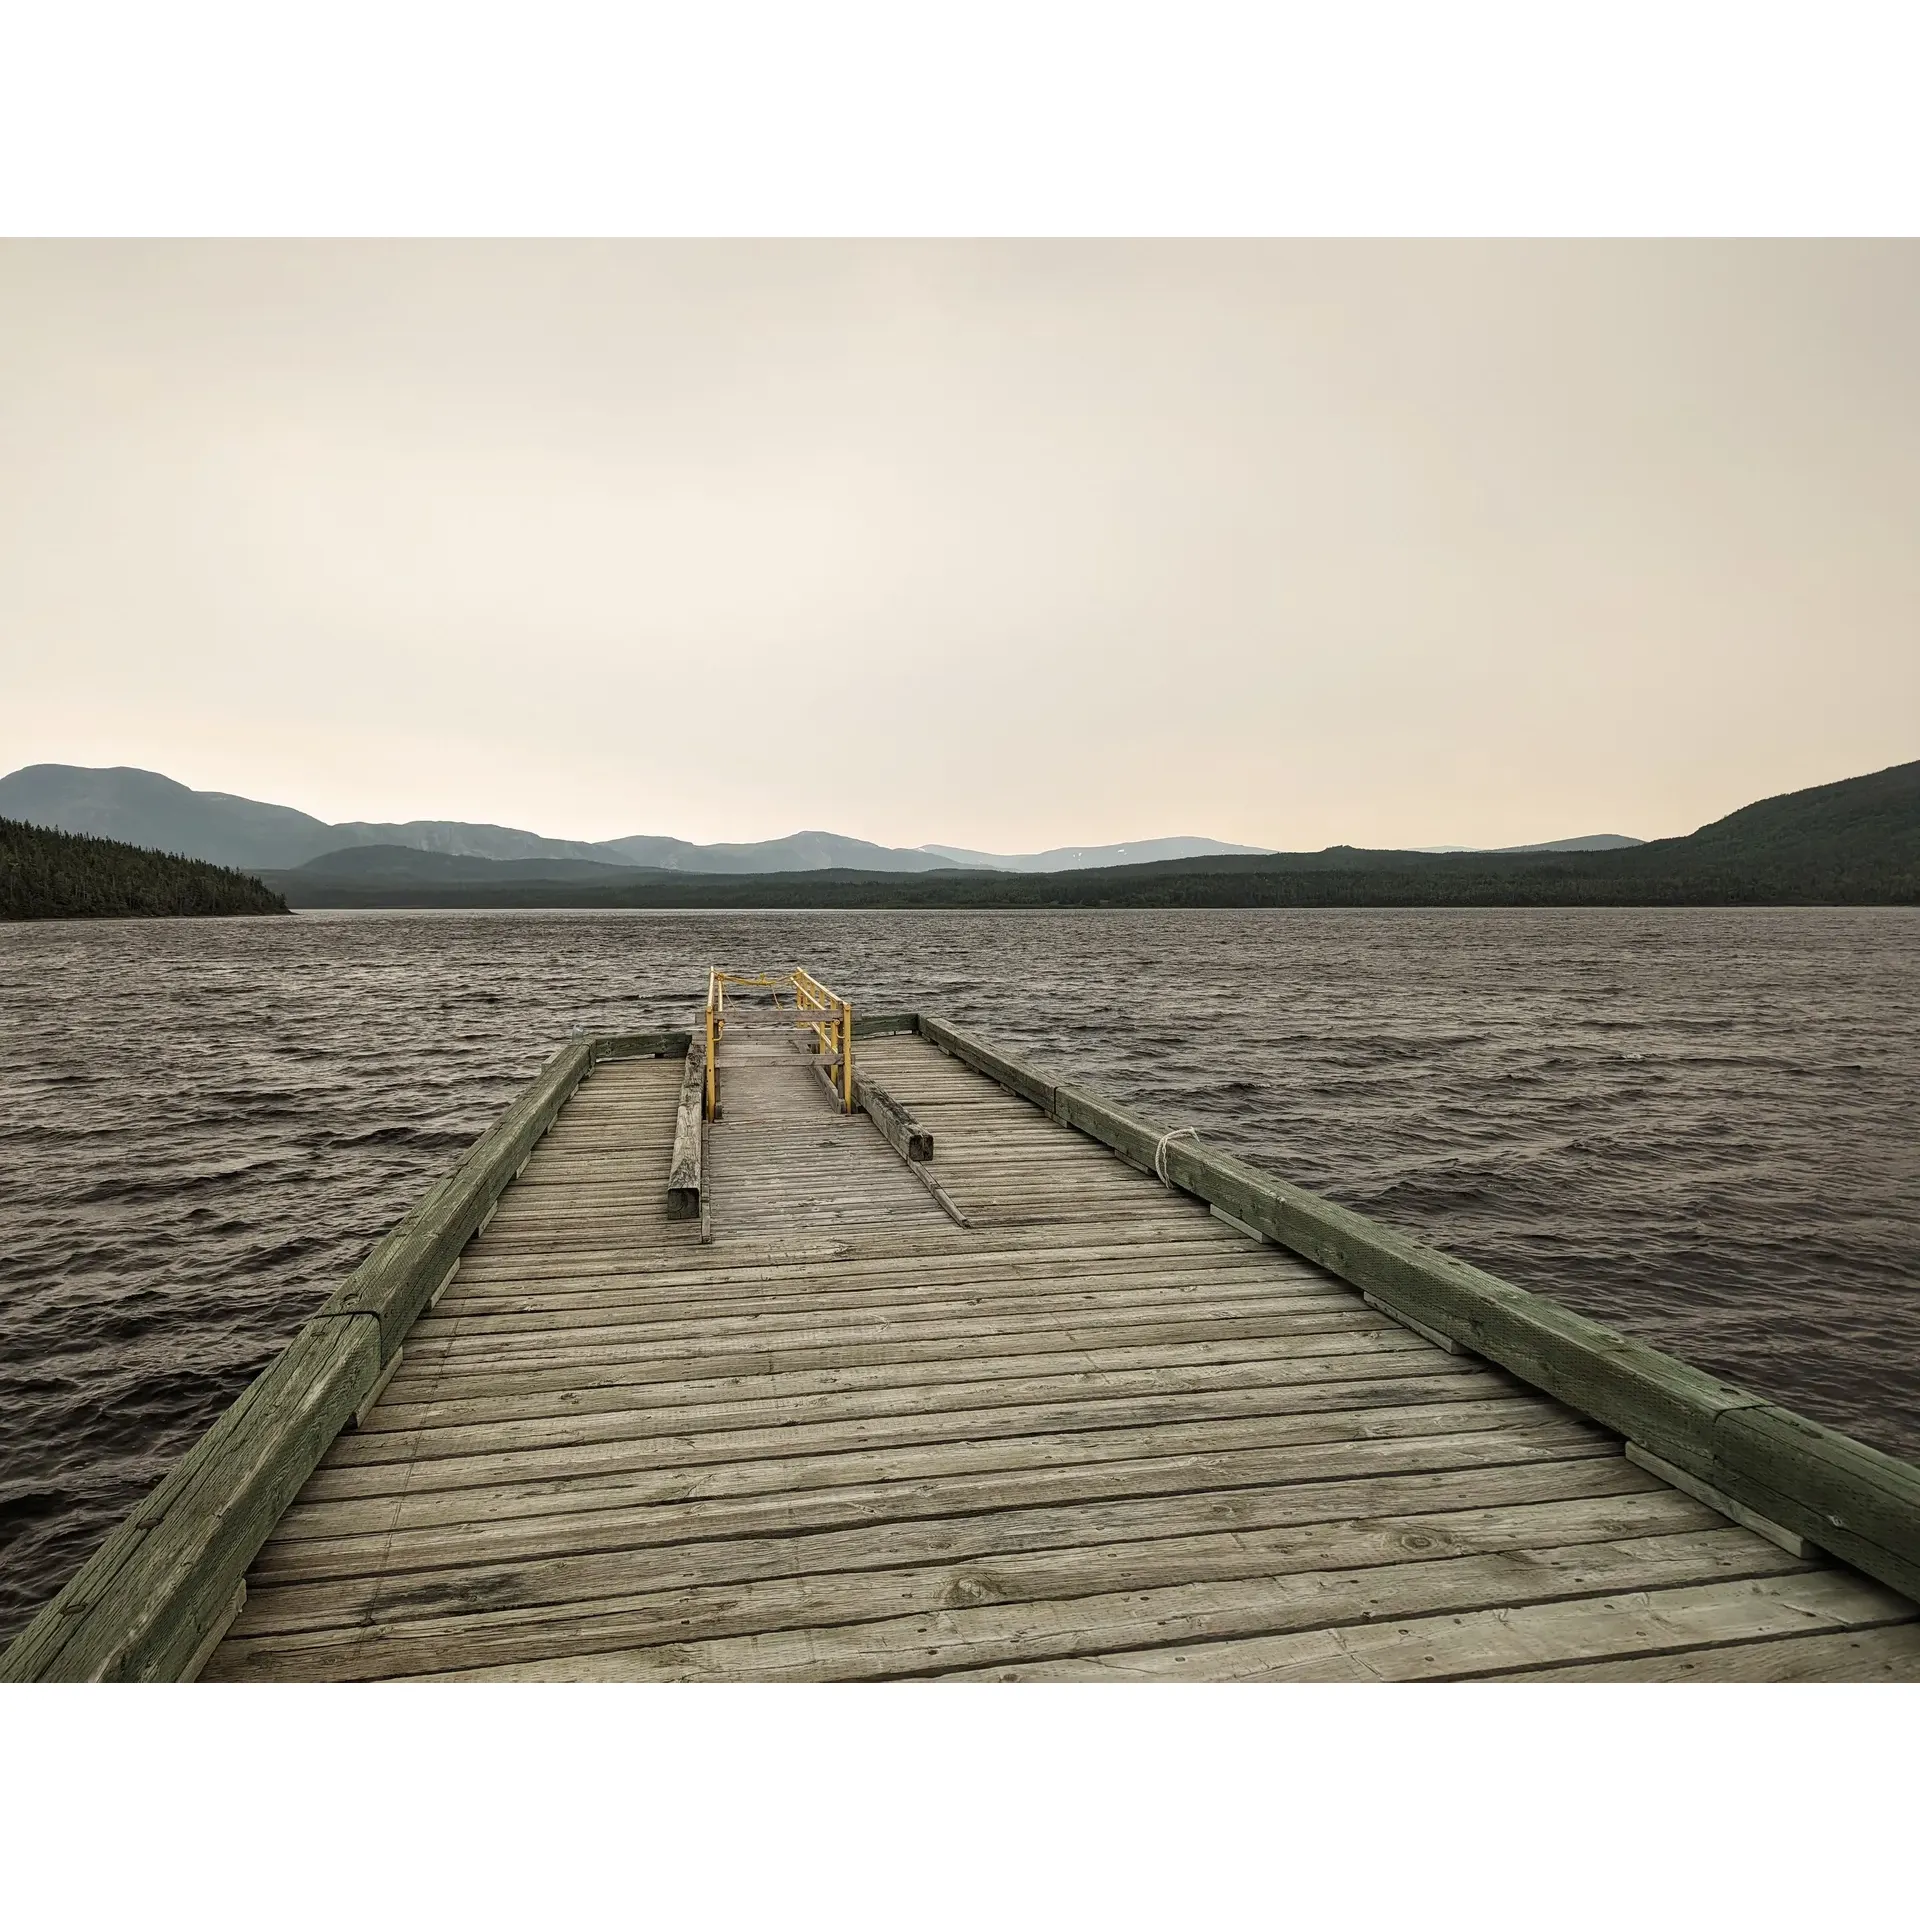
{"x":1878,"y":1653}
{"x":1524,"y":1641}
{"x":1417,"y":1514}
{"x":737,"y":1589}
{"x":979,"y":1629}
{"x":1095,"y":1433}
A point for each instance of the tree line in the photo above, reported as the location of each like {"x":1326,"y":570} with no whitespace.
{"x":46,"y":874}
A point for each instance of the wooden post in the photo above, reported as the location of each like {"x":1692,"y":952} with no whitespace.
{"x":901,"y":1131}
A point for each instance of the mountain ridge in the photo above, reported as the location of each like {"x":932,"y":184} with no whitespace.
{"x":140,"y":808}
{"x":1124,"y":853}
{"x":1850,"y":843}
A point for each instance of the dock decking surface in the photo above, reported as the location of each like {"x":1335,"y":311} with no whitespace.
{"x":1099,"y":1434}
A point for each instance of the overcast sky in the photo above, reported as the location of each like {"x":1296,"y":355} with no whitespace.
{"x":1000,"y":545}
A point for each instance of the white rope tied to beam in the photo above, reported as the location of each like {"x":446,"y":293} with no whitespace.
{"x":1160,"y":1152}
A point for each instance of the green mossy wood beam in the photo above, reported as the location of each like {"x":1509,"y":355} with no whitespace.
{"x":400,"y":1275}
{"x":142,"y":1605}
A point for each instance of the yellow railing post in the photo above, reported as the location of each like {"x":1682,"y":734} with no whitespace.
{"x":713,"y":1050}
{"x":846,"y":1052}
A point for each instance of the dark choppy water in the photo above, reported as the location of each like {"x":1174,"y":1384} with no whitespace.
{"x":1703,"y":1127}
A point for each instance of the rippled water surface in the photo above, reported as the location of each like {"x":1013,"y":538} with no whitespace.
{"x":1699,"y":1126}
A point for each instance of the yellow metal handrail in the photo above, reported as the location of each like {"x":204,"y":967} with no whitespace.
{"x":829,"y":1015}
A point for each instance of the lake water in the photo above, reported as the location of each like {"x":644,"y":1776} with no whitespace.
{"x":1702,"y":1127}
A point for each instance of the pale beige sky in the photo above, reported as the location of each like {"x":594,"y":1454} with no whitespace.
{"x":1001,"y":545}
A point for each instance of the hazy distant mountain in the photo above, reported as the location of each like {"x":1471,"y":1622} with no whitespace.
{"x":1585,"y":843}
{"x":148,"y":810}
{"x":416,"y":864}
{"x":145,"y":809}
{"x":797,"y":853}
{"x":477,"y":841}
{"x":1064,"y":859}
{"x":1141,"y":852}
{"x":1852,"y":843}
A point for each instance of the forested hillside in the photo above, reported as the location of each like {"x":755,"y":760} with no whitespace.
{"x":49,"y":875}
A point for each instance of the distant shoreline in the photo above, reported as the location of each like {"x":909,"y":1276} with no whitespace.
{"x":852,"y":900}
{"x":685,"y":906}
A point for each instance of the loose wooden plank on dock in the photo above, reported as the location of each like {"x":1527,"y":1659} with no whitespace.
{"x":686,"y":1179}
{"x":1099,"y":1433}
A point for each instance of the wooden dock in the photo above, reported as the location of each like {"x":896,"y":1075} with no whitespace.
{"x":1059,"y":1420}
